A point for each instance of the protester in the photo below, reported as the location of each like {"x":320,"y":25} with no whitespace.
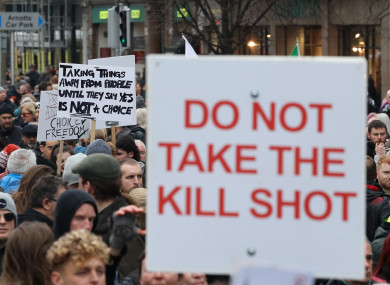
{"x":8,"y":222}
{"x":18,"y":163}
{"x":75,"y":210}
{"x":131,"y":175}
{"x":75,"y":252}
{"x":43,"y":200}
{"x":142,"y":150}
{"x":27,"y":113}
{"x":22,"y":196}
{"x":29,"y":137}
{"x":9,"y":133}
{"x":68,"y":176}
{"x":25,"y":259}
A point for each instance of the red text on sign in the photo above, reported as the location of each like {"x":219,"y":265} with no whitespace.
{"x":190,"y":156}
{"x":169,"y":199}
{"x":318,"y":155}
{"x":270,"y":204}
{"x":280,"y":116}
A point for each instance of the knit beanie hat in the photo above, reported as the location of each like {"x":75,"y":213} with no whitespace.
{"x":5,"y":153}
{"x":7,"y":203}
{"x":98,"y":146}
{"x":67,"y":205}
{"x":98,"y":166}
{"x":6,"y":109}
{"x":68,"y":176}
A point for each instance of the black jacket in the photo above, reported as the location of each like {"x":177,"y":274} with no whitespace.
{"x":31,"y":215}
{"x":12,"y":136}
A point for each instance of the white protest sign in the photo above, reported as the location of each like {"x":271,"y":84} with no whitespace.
{"x":257,"y":160}
{"x":96,"y":92}
{"x":253,"y":275}
{"x":51,"y":128}
{"x":124,"y":61}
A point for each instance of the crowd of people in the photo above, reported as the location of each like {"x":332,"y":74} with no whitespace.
{"x":74,"y":214}
{"x":78,"y":216}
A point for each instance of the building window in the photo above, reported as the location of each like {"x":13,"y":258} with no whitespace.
{"x":309,"y":40}
{"x":258,"y":42}
{"x":362,"y":40}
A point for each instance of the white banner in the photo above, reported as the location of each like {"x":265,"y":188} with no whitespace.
{"x":256,"y":160}
{"x":51,"y":128}
{"x":96,"y":92}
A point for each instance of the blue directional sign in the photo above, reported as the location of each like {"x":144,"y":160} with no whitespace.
{"x":20,"y":21}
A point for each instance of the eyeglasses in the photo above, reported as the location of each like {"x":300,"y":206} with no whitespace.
{"x":24,"y":114}
{"x":8,"y":216}
{"x":53,"y":199}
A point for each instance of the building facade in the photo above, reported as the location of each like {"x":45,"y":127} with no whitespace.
{"x":75,"y":31}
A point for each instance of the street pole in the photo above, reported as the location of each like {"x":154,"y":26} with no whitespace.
{"x":12,"y":58}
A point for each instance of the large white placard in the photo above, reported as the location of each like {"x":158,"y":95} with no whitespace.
{"x":51,"y":128}
{"x":255,"y":159}
{"x":124,"y":61}
{"x":97,"y":92}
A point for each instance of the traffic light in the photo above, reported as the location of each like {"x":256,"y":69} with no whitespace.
{"x":124,"y":26}
{"x":112,"y":31}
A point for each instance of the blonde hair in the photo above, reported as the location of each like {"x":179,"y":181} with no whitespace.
{"x":77,"y":247}
{"x":99,"y":134}
{"x":30,"y":106}
{"x":383,"y":159}
{"x":142,"y":118}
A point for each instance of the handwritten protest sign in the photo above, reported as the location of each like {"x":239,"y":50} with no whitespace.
{"x":96,"y":92}
{"x":51,"y":127}
{"x":124,"y":61}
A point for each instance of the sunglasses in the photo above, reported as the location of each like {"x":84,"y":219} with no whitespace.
{"x":8,"y":216}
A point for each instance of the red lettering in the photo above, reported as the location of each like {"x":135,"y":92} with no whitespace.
{"x":169,"y":147}
{"x":203,"y":106}
{"x":328,"y":161}
{"x":313,"y":161}
{"x":320,"y":120}
{"x":328,"y":202}
{"x":168,"y":199}
{"x":199,"y":211}
{"x":240,"y":158}
{"x":259,"y":201}
{"x":235,"y":115}
{"x":283,"y":119}
{"x":191,"y":149}
{"x":345,"y":196}
{"x":270,"y":122}
{"x":294,"y":204}
{"x":188,"y":201}
{"x":218,"y":156}
{"x":280,"y":150}
{"x":222,"y":211}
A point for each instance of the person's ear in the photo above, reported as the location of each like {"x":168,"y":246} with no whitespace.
{"x":45,"y":204}
{"x":56,"y":278}
{"x":88,"y":188}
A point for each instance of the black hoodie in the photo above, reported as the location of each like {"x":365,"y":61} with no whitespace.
{"x":68,"y":204}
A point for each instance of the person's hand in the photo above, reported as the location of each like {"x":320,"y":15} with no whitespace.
{"x":132,"y":210}
{"x":124,"y":226}
{"x":380,"y":148}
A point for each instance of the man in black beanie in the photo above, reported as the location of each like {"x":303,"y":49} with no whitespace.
{"x":75,"y":210}
{"x":9,"y":133}
{"x":100,"y":175}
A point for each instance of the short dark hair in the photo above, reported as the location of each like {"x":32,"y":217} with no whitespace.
{"x":45,"y":187}
{"x":126,"y":143}
{"x":376,"y":124}
{"x":371,"y":168}
{"x":56,"y":149}
{"x":104,"y":190}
